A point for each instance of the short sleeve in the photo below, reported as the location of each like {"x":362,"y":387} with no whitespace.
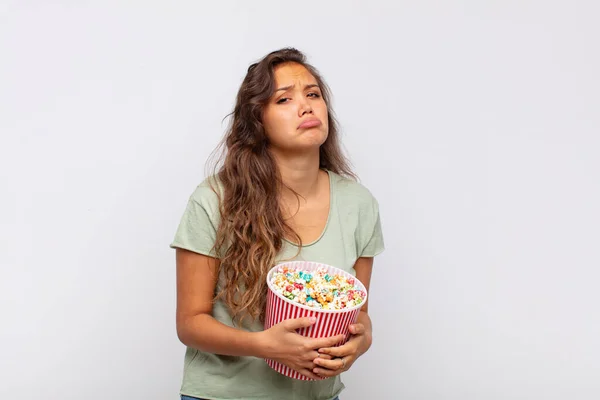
{"x":374,"y":244}
{"x":197,"y":230}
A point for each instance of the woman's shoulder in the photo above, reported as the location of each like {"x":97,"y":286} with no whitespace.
{"x":353,"y":192}
{"x":208,"y":192}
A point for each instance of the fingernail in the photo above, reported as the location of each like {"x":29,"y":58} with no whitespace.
{"x":313,"y":320}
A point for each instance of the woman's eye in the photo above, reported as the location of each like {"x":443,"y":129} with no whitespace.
{"x":314,"y":95}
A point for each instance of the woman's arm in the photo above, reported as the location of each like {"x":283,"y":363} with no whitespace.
{"x":196,"y":281}
{"x":362,"y":333}
{"x":196,"y":327}
{"x":364,"y":269}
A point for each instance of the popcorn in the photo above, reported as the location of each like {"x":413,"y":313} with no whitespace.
{"x":317,"y":289}
{"x":299,"y":289}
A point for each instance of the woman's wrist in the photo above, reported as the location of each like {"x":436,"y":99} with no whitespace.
{"x":363,"y":317}
{"x":259,"y":345}
{"x":367,"y":342}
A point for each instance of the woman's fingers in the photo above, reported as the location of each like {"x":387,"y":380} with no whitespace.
{"x":314,"y":355}
{"x":306,"y":367}
{"x":310,"y":362}
{"x":310,"y":374}
{"x":330,"y":368}
{"x":357,"y":329}
{"x":333,"y":365}
{"x":339,"y":351}
{"x":320,"y":343}
{"x":324,"y":356}
{"x":326,"y":373}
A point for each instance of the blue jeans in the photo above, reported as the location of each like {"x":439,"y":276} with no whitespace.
{"x":184,"y":397}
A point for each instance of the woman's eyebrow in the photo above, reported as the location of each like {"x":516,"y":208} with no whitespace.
{"x":309,"y":86}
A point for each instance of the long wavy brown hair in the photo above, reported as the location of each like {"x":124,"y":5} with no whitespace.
{"x":252,"y":226}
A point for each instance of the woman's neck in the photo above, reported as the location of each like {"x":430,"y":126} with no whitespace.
{"x":300,"y":173}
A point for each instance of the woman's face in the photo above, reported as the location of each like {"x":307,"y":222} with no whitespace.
{"x":295,"y":118}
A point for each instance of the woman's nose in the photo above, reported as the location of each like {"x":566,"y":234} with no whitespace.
{"x":305,"y":107}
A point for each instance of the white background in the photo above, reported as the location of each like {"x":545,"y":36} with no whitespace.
{"x":476,"y":125}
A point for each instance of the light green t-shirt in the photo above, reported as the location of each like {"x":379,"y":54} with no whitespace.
{"x":353,"y":230}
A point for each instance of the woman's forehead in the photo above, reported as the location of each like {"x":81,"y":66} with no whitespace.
{"x":292,"y":73}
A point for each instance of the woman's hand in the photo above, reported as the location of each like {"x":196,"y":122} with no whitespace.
{"x":344,"y":356}
{"x":283,"y":344}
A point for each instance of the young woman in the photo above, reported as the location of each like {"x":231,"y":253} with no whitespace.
{"x":283,"y":191}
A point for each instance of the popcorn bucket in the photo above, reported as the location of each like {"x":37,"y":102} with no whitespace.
{"x":328,"y":322}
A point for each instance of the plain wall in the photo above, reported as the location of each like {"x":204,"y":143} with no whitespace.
{"x":476,"y":125}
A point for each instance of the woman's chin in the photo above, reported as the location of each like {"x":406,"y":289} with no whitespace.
{"x":312,"y":137}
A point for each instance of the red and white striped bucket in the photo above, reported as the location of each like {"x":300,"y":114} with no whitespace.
{"x":329,"y":322}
